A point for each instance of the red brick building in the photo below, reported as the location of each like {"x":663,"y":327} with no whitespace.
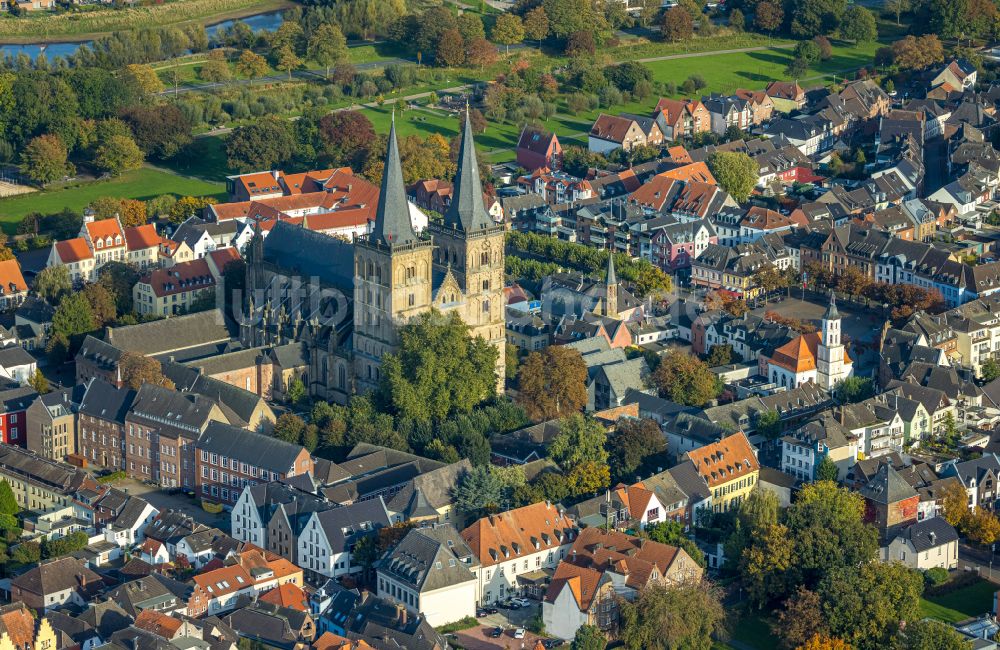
{"x":890,"y":502}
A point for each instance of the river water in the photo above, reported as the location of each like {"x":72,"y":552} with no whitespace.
{"x":266,"y":22}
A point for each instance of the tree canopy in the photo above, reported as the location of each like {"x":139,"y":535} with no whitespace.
{"x":440,"y":369}
{"x":552,"y":383}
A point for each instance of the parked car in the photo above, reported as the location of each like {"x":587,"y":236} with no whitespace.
{"x":519,"y":633}
{"x":553,"y":643}
{"x":490,"y":610}
{"x":497,"y":632}
{"x":521,"y":602}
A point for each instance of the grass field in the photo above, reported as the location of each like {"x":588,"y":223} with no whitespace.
{"x":144,"y":184}
{"x":974,"y":600}
{"x":88,"y":24}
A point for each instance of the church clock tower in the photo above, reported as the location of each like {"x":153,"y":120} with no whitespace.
{"x":830,"y":351}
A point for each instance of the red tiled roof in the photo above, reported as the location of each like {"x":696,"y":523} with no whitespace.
{"x":724,"y":461}
{"x":224,"y":581}
{"x":180,"y":278}
{"x":696,"y":171}
{"x":11,"y":279}
{"x":799,"y":354}
{"x":611,"y":128}
{"x":158,"y":623}
{"x":73,"y":250}
{"x":520,"y":532}
{"x":104,"y":228}
{"x":140,"y":237}
{"x":287,"y":595}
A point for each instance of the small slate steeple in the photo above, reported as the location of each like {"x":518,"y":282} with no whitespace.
{"x":612,"y":277}
{"x":831,"y":310}
{"x":466,"y":211}
{"x":392,"y":218}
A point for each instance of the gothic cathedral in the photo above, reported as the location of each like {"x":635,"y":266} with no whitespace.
{"x":454,"y":266}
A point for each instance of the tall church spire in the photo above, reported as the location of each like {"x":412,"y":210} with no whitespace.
{"x":392,"y":218}
{"x":466,"y":211}
{"x":612,"y":277}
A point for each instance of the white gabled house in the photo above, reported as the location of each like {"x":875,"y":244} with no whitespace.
{"x":327,"y":541}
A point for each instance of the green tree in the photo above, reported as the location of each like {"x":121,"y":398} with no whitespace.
{"x":685,"y":615}
{"x":251,"y":65}
{"x":826,"y":470}
{"x":440,"y":369}
{"x":813,"y":17}
{"x":808,"y":50}
{"x":580,"y":439}
{"x":118,"y":278}
{"x":932,"y":635}
{"x":508,"y":30}
{"x":286,"y":60}
{"x":118,"y":154}
{"x":949,"y":18}
{"x":38,"y":381}
{"x":552,"y":383}
{"x":73,"y":316}
{"x":736,"y":173}
{"x":52,"y":283}
{"x":215,"y":68}
{"x":536,"y":24}
{"x":486,"y":489}
{"x":44,"y":159}
{"x":797,"y":68}
{"x":71,"y":543}
{"x":672,"y":533}
{"x":8,"y":502}
{"x":865,"y":603}
{"x":632,"y":445}
{"x":296,"y":391}
{"x":289,"y":427}
{"x":858,"y":24}
{"x":854,"y":389}
{"x":327,"y":46}
{"x":589,"y":637}
{"x":27,"y":553}
{"x":827,"y":531}
{"x":720,"y":355}
{"x":801,"y":618}
{"x":765,"y":563}
{"x":990,"y":370}
{"x":264,"y":144}
{"x":685,"y":379}
{"x":470,"y":25}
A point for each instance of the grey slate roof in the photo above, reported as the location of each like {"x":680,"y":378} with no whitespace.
{"x":171,"y":334}
{"x":106,"y":402}
{"x":466,"y":211}
{"x":887,"y":487}
{"x":249,"y":447}
{"x":392,"y":217}
{"x":346,"y":524}
{"x":107,"y":617}
{"x":14,"y":355}
{"x":58,"y":575}
{"x":312,"y":254}
{"x":929,"y":533}
{"x":172,"y":412}
{"x":432,"y":558}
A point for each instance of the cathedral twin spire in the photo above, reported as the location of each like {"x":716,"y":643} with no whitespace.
{"x":466,"y":211}
{"x":392,"y":218}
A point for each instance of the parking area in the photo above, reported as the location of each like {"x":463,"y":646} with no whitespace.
{"x":163,"y":500}
{"x":508,"y":620}
{"x":481,"y":638}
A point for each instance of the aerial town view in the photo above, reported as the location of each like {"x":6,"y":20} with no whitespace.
{"x":499,"y":324}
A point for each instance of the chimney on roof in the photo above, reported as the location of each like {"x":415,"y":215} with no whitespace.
{"x":275,"y":173}
{"x":933,"y":537}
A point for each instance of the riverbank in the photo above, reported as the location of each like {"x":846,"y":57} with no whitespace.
{"x":75,"y":27}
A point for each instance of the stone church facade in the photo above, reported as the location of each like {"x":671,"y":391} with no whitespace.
{"x":345,"y":301}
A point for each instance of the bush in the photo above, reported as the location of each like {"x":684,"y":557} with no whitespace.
{"x":461,"y":624}
{"x":936,"y":576}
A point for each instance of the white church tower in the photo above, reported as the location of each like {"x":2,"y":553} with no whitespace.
{"x":832,"y":363}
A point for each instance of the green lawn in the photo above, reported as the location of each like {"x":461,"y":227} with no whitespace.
{"x":724,"y":73}
{"x":144,"y":184}
{"x":968,"y":602}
